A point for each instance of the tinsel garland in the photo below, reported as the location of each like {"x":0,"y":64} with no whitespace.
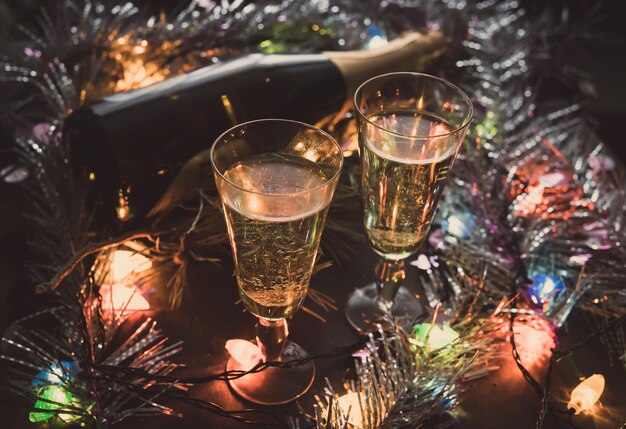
{"x":404,"y":381}
{"x":534,"y":197}
{"x":539,"y":193}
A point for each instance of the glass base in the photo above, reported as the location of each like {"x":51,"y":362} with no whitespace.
{"x":275,"y":386}
{"x":364,"y":308}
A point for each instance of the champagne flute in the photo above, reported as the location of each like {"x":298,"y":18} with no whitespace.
{"x":275,"y":179}
{"x":410,"y":127}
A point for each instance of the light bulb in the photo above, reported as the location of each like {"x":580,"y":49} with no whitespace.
{"x":534,"y":341}
{"x":350,"y":407}
{"x":545,"y":288}
{"x":586,"y":394}
{"x":434,"y":336}
{"x":246,"y":353}
{"x":122,"y":299}
{"x":127,"y":262}
{"x":53,"y":398}
{"x":52,"y":394}
{"x":529,"y":202}
{"x":57,"y":374}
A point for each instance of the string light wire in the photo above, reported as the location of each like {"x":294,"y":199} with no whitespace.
{"x":556,"y":356}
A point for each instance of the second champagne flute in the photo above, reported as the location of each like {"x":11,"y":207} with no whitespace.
{"x":410,"y":127}
{"x":276,"y":179}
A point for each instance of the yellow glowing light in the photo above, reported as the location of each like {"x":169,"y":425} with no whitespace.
{"x":123,"y":269}
{"x":350,"y":411}
{"x":122,"y":212}
{"x":586,"y":394}
{"x":120,"y":298}
{"x":247,"y":354}
{"x":127,"y":262}
{"x":350,"y":406}
{"x":122,"y":209}
{"x":139,"y":73}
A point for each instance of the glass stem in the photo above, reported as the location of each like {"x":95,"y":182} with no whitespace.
{"x":271,"y":337}
{"x":389,"y":276}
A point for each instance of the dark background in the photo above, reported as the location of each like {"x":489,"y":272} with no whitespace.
{"x":500,"y":401}
{"x":599,"y":53}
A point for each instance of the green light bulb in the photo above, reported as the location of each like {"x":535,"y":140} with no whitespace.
{"x":51,"y":398}
{"x":434,"y":336}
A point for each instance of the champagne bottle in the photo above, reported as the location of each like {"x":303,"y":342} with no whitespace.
{"x":143,"y":152}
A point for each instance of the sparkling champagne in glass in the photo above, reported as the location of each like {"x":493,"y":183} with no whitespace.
{"x":276,"y":179}
{"x":410,"y":130}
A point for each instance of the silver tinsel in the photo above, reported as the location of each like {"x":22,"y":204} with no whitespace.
{"x":403,"y":383}
{"x":534,"y":192}
{"x":535,"y":188}
{"x":65,"y":386}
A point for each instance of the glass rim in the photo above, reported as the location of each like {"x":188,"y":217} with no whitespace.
{"x":278,"y":120}
{"x":452,"y":86}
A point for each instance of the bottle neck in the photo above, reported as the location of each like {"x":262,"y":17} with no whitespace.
{"x":408,"y":52}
